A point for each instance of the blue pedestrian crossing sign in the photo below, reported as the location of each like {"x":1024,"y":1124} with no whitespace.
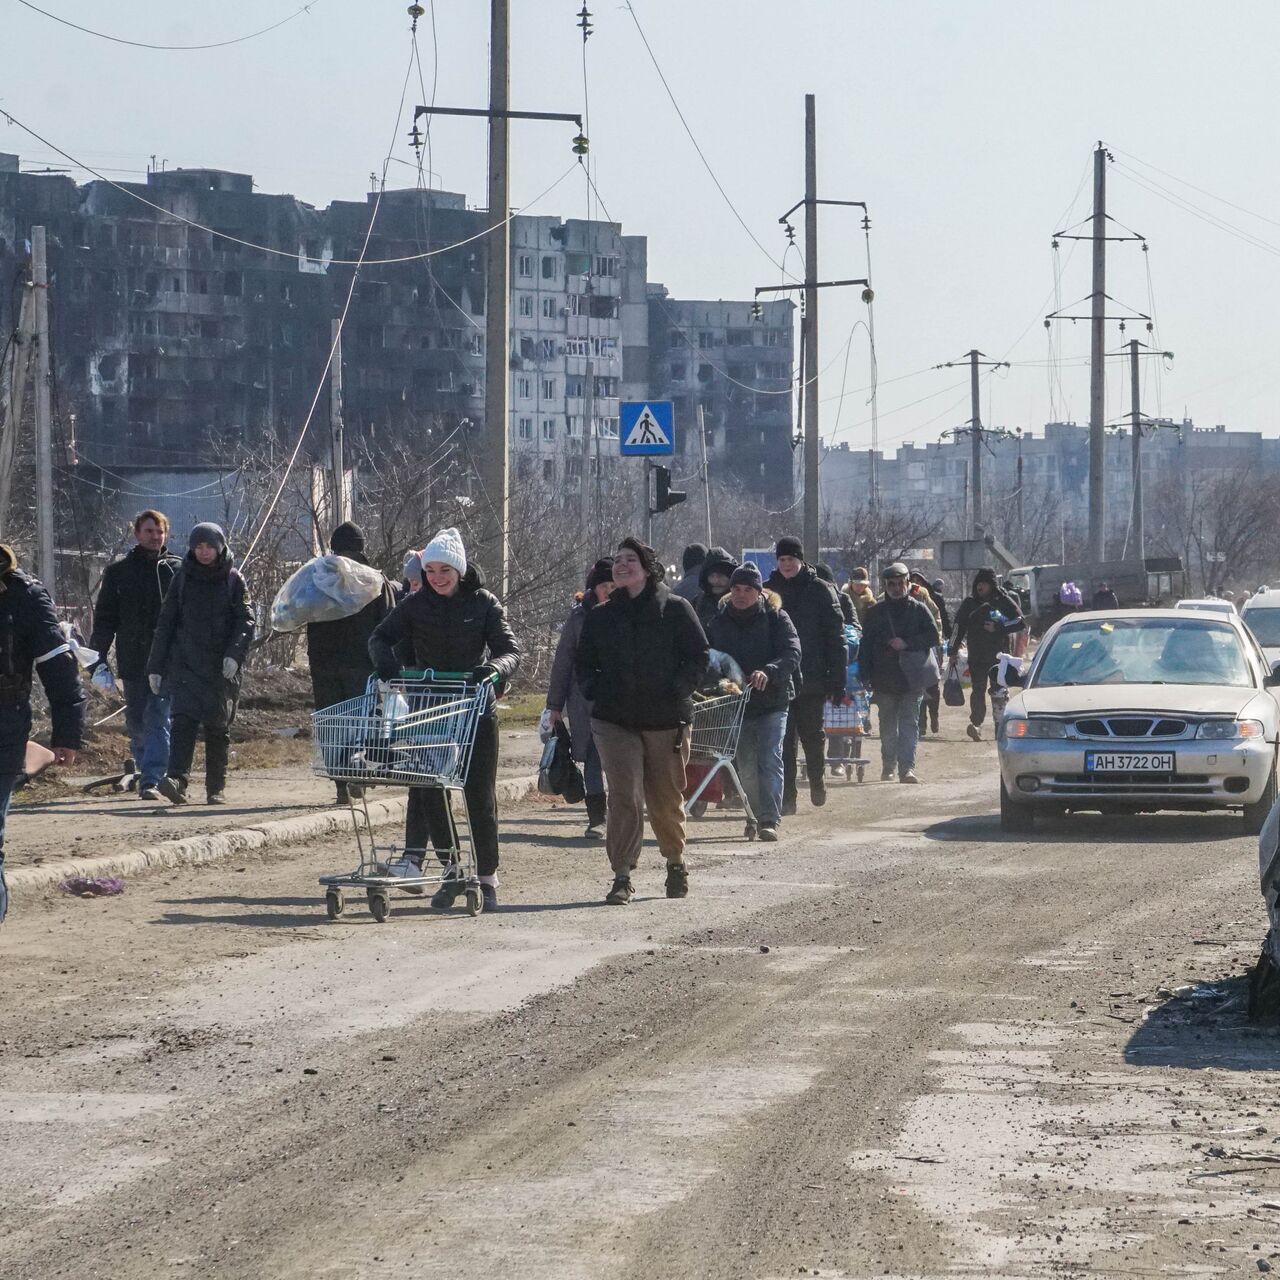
{"x":646,"y":427}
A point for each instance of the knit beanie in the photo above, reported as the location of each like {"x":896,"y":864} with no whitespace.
{"x":208,"y":532}
{"x":823,"y":571}
{"x":347,"y":540}
{"x":789,"y":546}
{"x":860,"y":574}
{"x":694,"y":554}
{"x":747,"y":575}
{"x":446,"y":547}
{"x":601,"y":571}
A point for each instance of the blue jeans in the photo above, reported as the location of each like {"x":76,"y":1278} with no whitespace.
{"x":759,"y":764}
{"x":899,"y":730}
{"x":146,"y":718}
{"x":8,"y":781}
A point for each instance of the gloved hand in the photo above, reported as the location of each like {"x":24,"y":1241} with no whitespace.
{"x":155,"y":682}
{"x":485,"y":671}
{"x":229,"y":668}
{"x":103,"y":679}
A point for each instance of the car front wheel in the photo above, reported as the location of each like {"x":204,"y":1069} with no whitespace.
{"x":1015,"y":818}
{"x":1257,"y":813}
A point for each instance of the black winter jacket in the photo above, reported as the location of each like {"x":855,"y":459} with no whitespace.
{"x":639,"y":660}
{"x":128,"y":608}
{"x":206,"y":617}
{"x":907,"y":619}
{"x":28,"y":631}
{"x":972,"y":617}
{"x":761,"y":639}
{"x":812,"y":606}
{"x":344,"y":643}
{"x":461,"y":632}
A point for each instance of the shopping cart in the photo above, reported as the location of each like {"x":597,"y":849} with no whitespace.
{"x":713,"y":740}
{"x":845,"y":723}
{"x":417,"y":731}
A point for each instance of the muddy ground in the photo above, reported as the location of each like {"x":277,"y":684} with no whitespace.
{"x":897,"y":1043}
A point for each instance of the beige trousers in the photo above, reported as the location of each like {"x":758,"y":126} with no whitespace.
{"x":645,"y":770}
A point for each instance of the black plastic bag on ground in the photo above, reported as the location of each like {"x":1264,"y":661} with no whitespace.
{"x":558,"y":774}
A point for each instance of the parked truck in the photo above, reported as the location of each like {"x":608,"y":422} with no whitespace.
{"x":1158,"y":580}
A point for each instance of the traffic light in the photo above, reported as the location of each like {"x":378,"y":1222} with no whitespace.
{"x":666,"y":497}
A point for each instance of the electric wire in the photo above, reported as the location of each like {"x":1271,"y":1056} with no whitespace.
{"x":142,"y":44}
{"x":285,"y":253}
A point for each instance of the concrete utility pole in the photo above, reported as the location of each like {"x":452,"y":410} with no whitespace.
{"x":812,"y":436}
{"x":45,"y":566}
{"x":706,"y":479}
{"x":495,"y":448}
{"x":13,"y":384}
{"x":976,"y":432}
{"x":588,"y":413}
{"x":337,"y":462}
{"x":1097,"y":365}
{"x":1135,"y":417}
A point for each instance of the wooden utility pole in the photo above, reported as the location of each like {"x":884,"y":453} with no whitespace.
{"x":977,"y":434}
{"x":495,"y":448}
{"x":812,"y":437}
{"x":45,"y":566}
{"x":1097,"y":363}
{"x":337,"y":463}
{"x":14,"y":373}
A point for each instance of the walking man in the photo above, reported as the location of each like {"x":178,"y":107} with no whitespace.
{"x":985,"y":620}
{"x":811,"y":605}
{"x":128,"y":607}
{"x":30,"y":639}
{"x":897,"y":625}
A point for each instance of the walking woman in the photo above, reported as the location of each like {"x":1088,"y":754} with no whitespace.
{"x":640,"y":658}
{"x":564,"y":695}
{"x":452,"y":624}
{"x":197,"y":660}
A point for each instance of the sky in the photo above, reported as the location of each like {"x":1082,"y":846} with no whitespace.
{"x":967,"y":128}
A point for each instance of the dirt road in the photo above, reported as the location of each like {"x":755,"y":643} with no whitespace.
{"x":896,"y":1043}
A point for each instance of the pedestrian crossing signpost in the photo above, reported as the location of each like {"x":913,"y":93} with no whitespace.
{"x":646,"y":428}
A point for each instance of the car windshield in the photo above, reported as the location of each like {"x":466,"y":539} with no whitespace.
{"x":1265,"y":625}
{"x":1190,"y":650}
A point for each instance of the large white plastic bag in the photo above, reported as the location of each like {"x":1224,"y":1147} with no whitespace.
{"x":324,"y":590}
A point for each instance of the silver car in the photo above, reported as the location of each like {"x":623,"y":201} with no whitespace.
{"x":1134,"y":710}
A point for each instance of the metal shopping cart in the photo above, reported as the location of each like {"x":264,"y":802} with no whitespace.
{"x":846,"y":723}
{"x":417,"y":731}
{"x":713,"y":740}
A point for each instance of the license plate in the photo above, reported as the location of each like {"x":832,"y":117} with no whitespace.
{"x":1128,"y":761}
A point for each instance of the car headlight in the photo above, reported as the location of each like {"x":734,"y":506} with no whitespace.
{"x":1230,"y":730}
{"x":1034,"y":728}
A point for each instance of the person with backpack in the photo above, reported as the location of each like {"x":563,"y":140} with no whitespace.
{"x":985,"y":620}
{"x":452,"y":624}
{"x":338,"y":651}
{"x":641,"y":656}
{"x":31,"y":641}
{"x":197,"y":658}
{"x":759,"y":636}
{"x":126,"y":612}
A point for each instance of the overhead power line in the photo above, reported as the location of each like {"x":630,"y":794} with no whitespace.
{"x":143,"y":44}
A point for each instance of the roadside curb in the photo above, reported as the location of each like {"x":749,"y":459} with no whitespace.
{"x":194,"y":850}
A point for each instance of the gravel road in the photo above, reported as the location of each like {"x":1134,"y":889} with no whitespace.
{"x":896,"y":1043}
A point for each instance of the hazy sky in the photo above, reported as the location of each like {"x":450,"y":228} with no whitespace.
{"x":966,"y":127}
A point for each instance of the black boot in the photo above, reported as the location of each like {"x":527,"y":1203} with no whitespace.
{"x":597,"y":815}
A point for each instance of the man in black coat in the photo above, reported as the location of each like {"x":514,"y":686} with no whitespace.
{"x":898,"y":624}
{"x":985,"y":620}
{"x":641,"y":656}
{"x":128,"y":607}
{"x":338,"y":651}
{"x":30,"y":638}
{"x":197,"y":658}
{"x":762,"y":641}
{"x":812,"y":606}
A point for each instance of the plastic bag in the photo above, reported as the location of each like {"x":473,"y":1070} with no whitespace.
{"x":324,"y":590}
{"x":722,"y":666}
{"x":103,"y":679}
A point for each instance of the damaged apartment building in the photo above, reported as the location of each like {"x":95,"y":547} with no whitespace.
{"x":192,"y":318}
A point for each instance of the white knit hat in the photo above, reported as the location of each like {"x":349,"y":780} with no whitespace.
{"x":446,"y":547}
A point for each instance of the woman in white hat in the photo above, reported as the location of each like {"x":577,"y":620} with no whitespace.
{"x":453,"y":624}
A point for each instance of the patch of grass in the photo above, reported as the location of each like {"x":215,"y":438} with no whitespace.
{"x":522,"y":709}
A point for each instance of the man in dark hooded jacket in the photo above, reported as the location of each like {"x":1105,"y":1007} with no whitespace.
{"x":713,"y":582}
{"x":30,"y":639}
{"x":126,"y":612}
{"x":813,"y":609}
{"x":984,"y":621}
{"x":197,"y":657}
{"x":691,"y":563}
{"x":338,"y":651}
